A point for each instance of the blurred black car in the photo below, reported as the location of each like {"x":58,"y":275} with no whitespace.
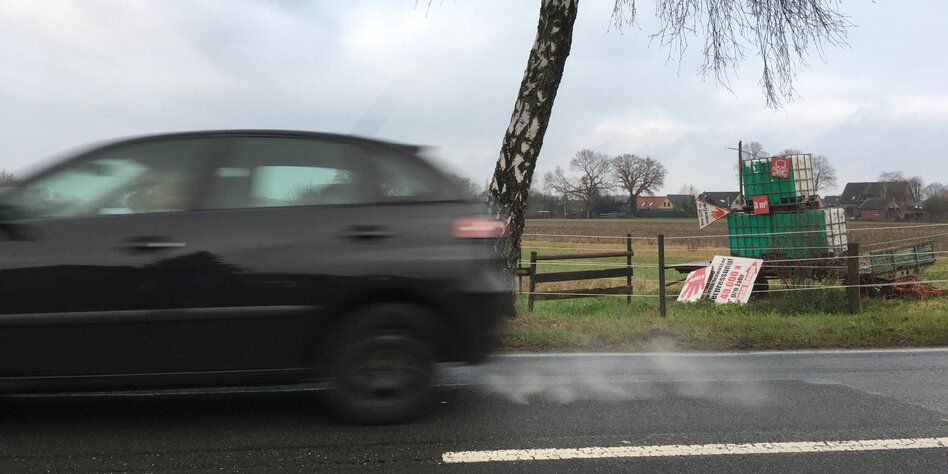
{"x":247,"y":257}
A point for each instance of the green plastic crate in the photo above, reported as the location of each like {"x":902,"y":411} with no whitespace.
{"x":791,"y":235}
{"x":800,"y":234}
{"x":750,"y":234}
{"x":798,"y":187}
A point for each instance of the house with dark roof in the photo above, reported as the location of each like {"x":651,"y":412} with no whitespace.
{"x":880,"y":209}
{"x":883,"y":194}
{"x":831,"y":201}
{"x":682,"y":201}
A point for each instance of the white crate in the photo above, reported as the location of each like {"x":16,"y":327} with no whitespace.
{"x":836,"y":232}
{"x":803,"y":175}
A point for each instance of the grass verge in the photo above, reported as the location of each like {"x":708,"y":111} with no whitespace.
{"x":816,"y":321}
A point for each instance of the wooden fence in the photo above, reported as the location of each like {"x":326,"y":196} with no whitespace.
{"x":577,"y":275}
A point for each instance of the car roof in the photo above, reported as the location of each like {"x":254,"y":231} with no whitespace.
{"x":407,"y":148}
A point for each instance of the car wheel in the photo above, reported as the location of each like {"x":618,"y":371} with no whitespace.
{"x":383,"y":364}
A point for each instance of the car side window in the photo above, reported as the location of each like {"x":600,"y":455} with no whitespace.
{"x":286,"y":172}
{"x":129,"y":179}
{"x":401,"y":178}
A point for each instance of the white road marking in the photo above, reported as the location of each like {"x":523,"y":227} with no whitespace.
{"x":677,"y":450}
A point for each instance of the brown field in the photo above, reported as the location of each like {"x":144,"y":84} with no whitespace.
{"x":556,"y":236}
{"x":598,"y":231}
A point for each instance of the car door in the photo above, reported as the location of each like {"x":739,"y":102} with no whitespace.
{"x":290,"y":212}
{"x":97,"y":276}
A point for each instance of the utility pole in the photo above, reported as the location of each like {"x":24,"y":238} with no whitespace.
{"x":740,"y":170}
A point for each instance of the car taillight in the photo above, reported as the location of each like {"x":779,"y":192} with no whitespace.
{"x":485,"y":227}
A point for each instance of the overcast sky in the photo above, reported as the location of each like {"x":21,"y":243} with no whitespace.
{"x":77,"y":72}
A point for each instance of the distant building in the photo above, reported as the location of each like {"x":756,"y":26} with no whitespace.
{"x":879,"y":209}
{"x":682,"y":201}
{"x":831,"y":201}
{"x":654,"y":203}
{"x":890,"y":198}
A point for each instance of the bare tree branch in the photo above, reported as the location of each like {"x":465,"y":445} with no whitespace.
{"x":824,"y":174}
{"x":591,"y":178}
{"x":916,"y":183}
{"x":779,"y":32}
{"x":638,"y":175}
{"x":891,"y":176}
{"x":7,"y":178}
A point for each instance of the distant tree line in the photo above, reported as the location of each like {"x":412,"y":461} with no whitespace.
{"x":589,"y":179}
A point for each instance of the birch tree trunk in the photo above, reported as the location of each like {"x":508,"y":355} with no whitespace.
{"x":521,"y":146}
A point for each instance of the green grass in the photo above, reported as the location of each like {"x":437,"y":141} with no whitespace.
{"x":782,"y":320}
{"x":600,"y":324}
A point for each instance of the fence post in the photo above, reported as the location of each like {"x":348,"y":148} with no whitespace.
{"x":533,"y":280}
{"x":661,"y":275}
{"x":628,"y":264}
{"x":852,"y":267}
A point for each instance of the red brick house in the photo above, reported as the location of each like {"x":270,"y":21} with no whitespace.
{"x":879,"y":209}
{"x":877,"y":196}
{"x":654,"y":203}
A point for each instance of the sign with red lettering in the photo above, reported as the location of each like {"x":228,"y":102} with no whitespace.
{"x":780,"y":167}
{"x":708,"y":213}
{"x":761,"y":205}
{"x":694,"y":285}
{"x":732,"y":278}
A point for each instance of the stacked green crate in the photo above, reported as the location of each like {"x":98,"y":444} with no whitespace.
{"x":800,"y":234}
{"x":750,"y":235}
{"x":797,"y":187}
{"x":758,"y":182}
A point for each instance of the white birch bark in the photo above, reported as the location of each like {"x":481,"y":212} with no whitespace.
{"x":524,"y":137}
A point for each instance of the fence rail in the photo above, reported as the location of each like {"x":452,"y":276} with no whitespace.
{"x":578,"y":275}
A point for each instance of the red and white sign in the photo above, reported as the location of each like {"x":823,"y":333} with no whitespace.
{"x":780,"y":167}
{"x":732,"y":279}
{"x":694,"y":285}
{"x":708,"y":213}
{"x":761,"y":204}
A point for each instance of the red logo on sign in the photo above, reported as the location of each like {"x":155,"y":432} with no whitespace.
{"x":694,"y":285}
{"x":761,"y":205}
{"x":780,"y":167}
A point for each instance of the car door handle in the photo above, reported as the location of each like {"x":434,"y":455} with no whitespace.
{"x":368,"y":233}
{"x":151,"y":244}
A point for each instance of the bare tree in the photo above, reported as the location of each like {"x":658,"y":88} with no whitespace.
{"x":591,"y":178}
{"x":638,"y":175}
{"x":754,"y":150}
{"x":890,"y":176}
{"x":916,"y":183}
{"x":824,"y":174}
{"x":688,"y":189}
{"x":933,"y":190}
{"x":789,"y":151}
{"x":778,"y":32}
{"x":7,"y":178}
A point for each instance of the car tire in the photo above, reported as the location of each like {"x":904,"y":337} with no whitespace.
{"x":382,"y":364}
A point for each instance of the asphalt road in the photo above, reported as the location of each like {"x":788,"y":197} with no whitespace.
{"x":668,"y":412}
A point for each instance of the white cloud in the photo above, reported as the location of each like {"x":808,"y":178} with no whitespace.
{"x":641,"y":129}
{"x":75,"y":72}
